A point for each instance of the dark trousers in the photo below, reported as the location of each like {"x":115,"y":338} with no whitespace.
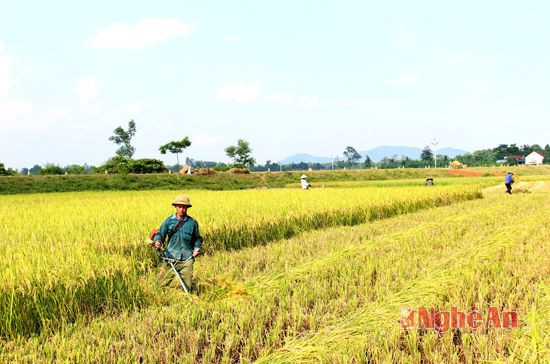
{"x":508,"y":188}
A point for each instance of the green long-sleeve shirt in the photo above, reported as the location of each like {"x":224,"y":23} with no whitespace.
{"x":184,"y":242}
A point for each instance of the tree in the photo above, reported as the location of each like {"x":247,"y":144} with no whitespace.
{"x":75,"y":169}
{"x":3,"y":171}
{"x":51,"y":169}
{"x":240,"y":153}
{"x":427,"y":155}
{"x":368,"y":162}
{"x":36,"y":169}
{"x":351,"y":155}
{"x":175,"y":147}
{"x":123,"y":137}
{"x":511,"y":161}
{"x":443,"y":159}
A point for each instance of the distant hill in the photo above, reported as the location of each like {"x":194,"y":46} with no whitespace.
{"x":303,"y":157}
{"x":376,"y":154}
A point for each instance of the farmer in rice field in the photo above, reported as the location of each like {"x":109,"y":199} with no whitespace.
{"x":304,"y":182}
{"x":181,"y":234}
{"x":508,"y":180}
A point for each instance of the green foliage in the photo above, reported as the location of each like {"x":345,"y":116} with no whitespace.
{"x":488,"y":157}
{"x":368,"y":162}
{"x":427,"y":155}
{"x":241,"y":153}
{"x":123,"y":165}
{"x":51,"y":169}
{"x":35,"y":169}
{"x":123,"y":137}
{"x":75,"y":169}
{"x":351,"y":155}
{"x":146,"y":165}
{"x":511,"y":161}
{"x":175,"y":147}
{"x":6,"y":172}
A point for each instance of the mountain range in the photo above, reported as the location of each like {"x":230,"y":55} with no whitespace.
{"x":375,"y":154}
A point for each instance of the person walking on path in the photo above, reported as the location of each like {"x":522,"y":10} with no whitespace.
{"x":508,"y":180}
{"x":181,"y":234}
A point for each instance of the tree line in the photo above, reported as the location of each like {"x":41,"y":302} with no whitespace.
{"x":241,"y":155}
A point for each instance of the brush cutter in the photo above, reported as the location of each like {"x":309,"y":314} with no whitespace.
{"x":170,"y":261}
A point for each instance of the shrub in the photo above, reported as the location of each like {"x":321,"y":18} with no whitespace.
{"x":51,"y":169}
{"x":146,"y":165}
{"x":120,"y":164}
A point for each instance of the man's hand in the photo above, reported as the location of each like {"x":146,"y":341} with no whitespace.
{"x":196,"y":253}
{"x":158,"y":244}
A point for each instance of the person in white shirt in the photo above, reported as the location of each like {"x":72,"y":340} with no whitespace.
{"x":305,"y":184}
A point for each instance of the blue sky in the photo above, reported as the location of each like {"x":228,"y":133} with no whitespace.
{"x":288,"y":76}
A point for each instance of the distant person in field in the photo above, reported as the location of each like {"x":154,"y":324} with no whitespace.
{"x":429,"y":181}
{"x":305,"y":184}
{"x":508,"y":180}
{"x":184,"y":242}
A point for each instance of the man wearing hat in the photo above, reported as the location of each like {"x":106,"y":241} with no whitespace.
{"x":508,"y":180}
{"x":184,"y":242}
{"x":305,"y":184}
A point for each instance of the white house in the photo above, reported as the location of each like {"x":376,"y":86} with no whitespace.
{"x":534,"y":158}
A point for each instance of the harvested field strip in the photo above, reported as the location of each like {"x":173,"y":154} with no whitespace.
{"x":373,"y":332}
{"x":245,"y":328}
{"x":70,"y":266}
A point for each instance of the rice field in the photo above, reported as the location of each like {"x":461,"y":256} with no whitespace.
{"x":290,"y":276}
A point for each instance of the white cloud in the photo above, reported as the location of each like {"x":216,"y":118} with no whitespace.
{"x":476,"y":87}
{"x":308,"y":102}
{"x":12,"y":108}
{"x":240,"y":92}
{"x":367,"y":103}
{"x":6,"y":64}
{"x":406,"y":80}
{"x":405,"y":37}
{"x":130,"y":108}
{"x":282,"y":98}
{"x":231,"y":37}
{"x":145,"y":33}
{"x":204,"y":140}
{"x":86,"y":88}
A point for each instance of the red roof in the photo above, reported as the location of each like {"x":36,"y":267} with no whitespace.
{"x":539,"y":153}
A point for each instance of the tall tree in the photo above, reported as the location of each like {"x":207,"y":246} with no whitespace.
{"x":351,"y":155}
{"x":175,"y":147}
{"x":123,"y":137}
{"x":241,"y":153}
{"x":368,"y":162}
{"x":427,"y":155}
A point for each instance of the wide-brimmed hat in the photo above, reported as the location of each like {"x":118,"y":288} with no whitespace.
{"x":182,"y":200}
{"x":303,"y":176}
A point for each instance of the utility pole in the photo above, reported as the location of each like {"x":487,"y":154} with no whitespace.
{"x":280,"y":167}
{"x":434,"y":143}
